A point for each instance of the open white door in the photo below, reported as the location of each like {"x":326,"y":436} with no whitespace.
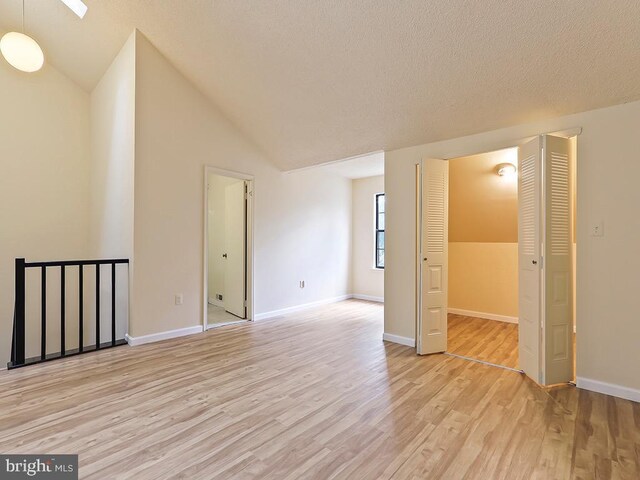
{"x":557,"y":267}
{"x":432,"y":321}
{"x":545,"y":260}
{"x":235,"y":249}
{"x":529,"y":256}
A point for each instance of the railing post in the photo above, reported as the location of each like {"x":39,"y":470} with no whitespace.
{"x":97,"y":306}
{"x":43,"y":314}
{"x":80,"y":308}
{"x":113,"y":304}
{"x":63,"y":332}
{"x":19,"y":339}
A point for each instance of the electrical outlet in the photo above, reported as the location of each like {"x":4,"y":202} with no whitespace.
{"x":179,"y":299}
{"x":597,"y":229}
{"x":301,"y":283}
{"x":219,"y":297}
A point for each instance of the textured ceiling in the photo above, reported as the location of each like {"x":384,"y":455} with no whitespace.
{"x":312,"y":81}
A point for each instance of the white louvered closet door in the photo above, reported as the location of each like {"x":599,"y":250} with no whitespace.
{"x":529,"y":257}
{"x":432,"y":325}
{"x":557,"y":267}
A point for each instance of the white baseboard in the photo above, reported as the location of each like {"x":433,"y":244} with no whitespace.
{"x":488,"y":316}
{"x":297,"y":308}
{"x":608,"y":389}
{"x":389,"y":337}
{"x":368,"y":298}
{"x":213,"y":301}
{"x":156,"y":337}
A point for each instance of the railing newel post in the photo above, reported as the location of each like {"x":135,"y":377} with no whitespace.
{"x":19,"y":334}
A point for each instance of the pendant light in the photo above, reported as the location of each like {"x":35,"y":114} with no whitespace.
{"x":22,"y":51}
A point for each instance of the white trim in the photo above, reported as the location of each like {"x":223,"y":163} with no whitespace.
{"x":608,"y":389}
{"x":304,"y":306}
{"x":156,"y":337}
{"x":488,"y":316}
{"x":333,"y":162}
{"x":224,"y":324}
{"x":418,"y":259}
{"x":389,"y":337}
{"x":208,"y":169}
{"x":476,"y":147}
{"x":368,"y":298}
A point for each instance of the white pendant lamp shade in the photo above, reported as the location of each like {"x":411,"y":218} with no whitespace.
{"x":22,"y":52}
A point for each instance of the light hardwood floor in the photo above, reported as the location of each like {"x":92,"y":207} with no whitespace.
{"x":487,"y":340}
{"x":311,"y":395}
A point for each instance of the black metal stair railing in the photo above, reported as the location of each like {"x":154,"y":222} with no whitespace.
{"x":18,"y":345}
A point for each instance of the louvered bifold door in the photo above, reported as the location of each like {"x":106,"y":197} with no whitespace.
{"x":432,"y":326}
{"x":557,"y":268}
{"x":529,"y":257}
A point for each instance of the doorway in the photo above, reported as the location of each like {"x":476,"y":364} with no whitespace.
{"x":483,"y":258}
{"x":228,"y":248}
{"x":542,"y":304}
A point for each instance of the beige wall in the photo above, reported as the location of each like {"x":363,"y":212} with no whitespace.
{"x":483,"y":278}
{"x":483,"y":236}
{"x":302,"y":220}
{"x":112,"y":157}
{"x":366,"y":279}
{"x":111,"y":184}
{"x":607,"y":173}
{"x":44,"y":214}
{"x":483,"y":207}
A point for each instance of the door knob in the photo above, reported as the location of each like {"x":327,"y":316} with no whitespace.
{"x":535,"y":262}
{"x":224,"y":255}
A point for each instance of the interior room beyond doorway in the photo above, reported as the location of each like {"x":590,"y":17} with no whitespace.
{"x":483,"y":257}
{"x":226,"y":249}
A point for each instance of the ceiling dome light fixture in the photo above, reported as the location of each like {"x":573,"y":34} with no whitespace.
{"x":506,"y":169}
{"x":22,"y":51}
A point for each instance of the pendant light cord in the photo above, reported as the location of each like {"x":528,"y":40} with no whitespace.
{"x":22,"y":16}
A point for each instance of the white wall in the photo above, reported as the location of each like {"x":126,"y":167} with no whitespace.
{"x":302,"y":220}
{"x":112,"y":157}
{"x":111,"y":184}
{"x":44,"y":149}
{"x":366,"y":279}
{"x":607,"y":278}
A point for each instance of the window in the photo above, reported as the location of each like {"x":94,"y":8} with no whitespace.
{"x":380,"y":230}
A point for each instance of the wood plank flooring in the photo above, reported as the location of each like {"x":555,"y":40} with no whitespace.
{"x":312,"y":395}
{"x":486,"y":340}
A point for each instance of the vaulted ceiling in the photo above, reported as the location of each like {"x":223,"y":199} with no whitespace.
{"x":312,"y":81}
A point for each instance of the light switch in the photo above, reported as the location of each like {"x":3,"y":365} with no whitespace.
{"x":179,"y":299}
{"x":597,"y":229}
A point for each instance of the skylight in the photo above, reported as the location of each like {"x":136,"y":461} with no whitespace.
{"x":76,"y":6}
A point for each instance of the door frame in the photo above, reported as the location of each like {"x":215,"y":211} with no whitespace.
{"x":249,"y":288}
{"x":567,"y":133}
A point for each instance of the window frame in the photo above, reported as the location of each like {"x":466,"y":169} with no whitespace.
{"x":377,"y":230}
